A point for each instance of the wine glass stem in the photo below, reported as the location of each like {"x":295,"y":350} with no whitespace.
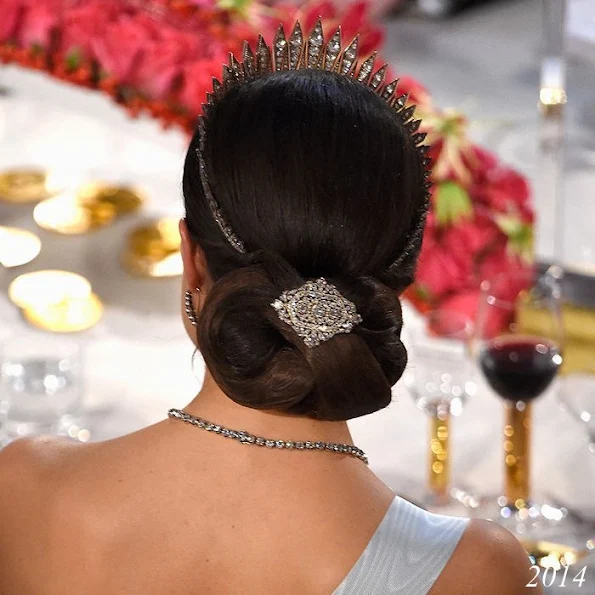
{"x":439,"y":465}
{"x":517,"y":451}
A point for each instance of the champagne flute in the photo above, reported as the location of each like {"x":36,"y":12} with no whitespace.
{"x":440,"y":379}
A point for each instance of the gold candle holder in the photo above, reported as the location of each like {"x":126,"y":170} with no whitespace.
{"x":439,"y":464}
{"x":517,"y":451}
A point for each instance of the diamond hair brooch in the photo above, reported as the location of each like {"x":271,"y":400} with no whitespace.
{"x":316,"y":311}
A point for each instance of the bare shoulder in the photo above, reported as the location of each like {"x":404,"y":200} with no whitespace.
{"x":488,"y":560}
{"x":33,"y":454}
{"x":25,"y":465}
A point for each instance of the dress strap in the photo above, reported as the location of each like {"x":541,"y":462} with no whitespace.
{"x":406,"y":554}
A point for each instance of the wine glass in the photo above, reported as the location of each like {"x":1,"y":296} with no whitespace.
{"x":440,"y":379}
{"x":519,"y":337}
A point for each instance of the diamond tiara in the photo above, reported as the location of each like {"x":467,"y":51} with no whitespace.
{"x":298,"y":52}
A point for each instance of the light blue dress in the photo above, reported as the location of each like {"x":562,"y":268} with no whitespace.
{"x":406,"y":554}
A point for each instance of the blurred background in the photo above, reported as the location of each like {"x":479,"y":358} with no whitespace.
{"x":97,"y":101}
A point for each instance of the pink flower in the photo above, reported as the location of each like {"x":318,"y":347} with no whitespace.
{"x":39,"y":21}
{"x":450,"y":254}
{"x":85,"y":23}
{"x":498,"y":261}
{"x":163,"y":60}
{"x":504,"y":190}
{"x":441,"y":270}
{"x":119,"y":50}
{"x":12,"y":11}
{"x":197,"y":81}
{"x":465,"y":302}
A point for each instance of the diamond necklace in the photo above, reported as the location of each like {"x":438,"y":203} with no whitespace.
{"x":244,"y":437}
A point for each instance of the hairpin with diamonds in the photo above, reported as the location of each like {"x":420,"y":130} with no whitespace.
{"x":297,"y":53}
{"x":316,"y":311}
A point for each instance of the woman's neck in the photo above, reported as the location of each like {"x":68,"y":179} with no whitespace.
{"x":215,"y":406}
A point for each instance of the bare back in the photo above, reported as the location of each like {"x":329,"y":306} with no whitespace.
{"x":171,"y":510}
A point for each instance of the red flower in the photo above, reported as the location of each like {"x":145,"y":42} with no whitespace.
{"x":498,"y":261}
{"x":162,"y":61}
{"x":504,"y":190}
{"x":441,"y":270}
{"x":85,"y":23}
{"x":120,"y":49}
{"x":39,"y":20}
{"x":450,"y":254}
{"x":11,"y":16}
{"x":197,"y":82}
{"x":480,"y":161}
{"x":465,"y":302}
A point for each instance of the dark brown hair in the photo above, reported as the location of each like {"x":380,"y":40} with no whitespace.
{"x":319,"y":178}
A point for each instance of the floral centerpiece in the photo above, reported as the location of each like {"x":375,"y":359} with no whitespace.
{"x":159,"y":57}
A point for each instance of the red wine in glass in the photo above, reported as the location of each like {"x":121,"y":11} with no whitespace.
{"x":520,"y":368}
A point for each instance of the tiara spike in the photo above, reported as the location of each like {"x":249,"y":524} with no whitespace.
{"x":263,"y":57}
{"x":413,"y":126}
{"x":280,"y":49}
{"x":296,"y":46}
{"x":333,"y":49}
{"x":406,"y":114}
{"x":237,"y":69}
{"x":229,"y":78}
{"x":249,"y":60}
{"x":365,"y":71}
{"x":400,"y":102}
{"x":315,"y":45}
{"x":423,"y":149}
{"x":378,"y":78}
{"x":389,"y":90}
{"x":216,"y":87}
{"x":349,"y":57}
{"x":419,"y":137}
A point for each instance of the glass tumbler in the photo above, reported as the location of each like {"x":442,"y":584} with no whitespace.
{"x":41,"y":382}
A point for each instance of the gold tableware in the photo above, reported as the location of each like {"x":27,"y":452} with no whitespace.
{"x":68,"y":316}
{"x":123,"y":198}
{"x":28,"y":184}
{"x":68,"y":215}
{"x":41,"y":288}
{"x":153,"y":249}
{"x":17,"y":246}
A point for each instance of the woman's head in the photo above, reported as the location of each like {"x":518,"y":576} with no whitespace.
{"x":319,"y":178}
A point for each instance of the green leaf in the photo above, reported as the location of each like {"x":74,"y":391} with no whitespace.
{"x":240,"y":6}
{"x":452,"y":203}
{"x":520,"y":235}
{"x":73,"y":59}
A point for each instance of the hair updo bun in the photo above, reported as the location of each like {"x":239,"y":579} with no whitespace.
{"x":319,"y":178}
{"x":259,"y":361}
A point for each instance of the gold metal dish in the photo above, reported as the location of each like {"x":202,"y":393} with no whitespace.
{"x":67,"y":215}
{"x":28,"y":184}
{"x":42,"y":288}
{"x":68,"y":316}
{"x":153,"y":249}
{"x":17,"y":246}
{"x":122,"y":198}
